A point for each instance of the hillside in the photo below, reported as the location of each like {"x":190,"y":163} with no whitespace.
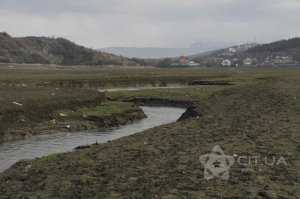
{"x":276,"y":54}
{"x":209,"y":58}
{"x":44,"y":50}
{"x":290,"y":47}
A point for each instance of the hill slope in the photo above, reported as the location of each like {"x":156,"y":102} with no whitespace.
{"x":279,"y":53}
{"x":290,"y":47}
{"x":44,"y":50}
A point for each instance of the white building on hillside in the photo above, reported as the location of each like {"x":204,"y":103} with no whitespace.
{"x":193,"y":63}
{"x":248,"y":61}
{"x":226,"y":62}
{"x":232,"y":50}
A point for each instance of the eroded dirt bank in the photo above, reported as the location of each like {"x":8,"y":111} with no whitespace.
{"x":193,"y":110}
{"x":257,"y":119}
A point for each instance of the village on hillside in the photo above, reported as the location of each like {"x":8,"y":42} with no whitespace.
{"x":235,"y":57}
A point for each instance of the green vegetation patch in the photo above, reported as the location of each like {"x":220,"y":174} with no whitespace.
{"x":22,"y":109}
{"x":194,"y":93}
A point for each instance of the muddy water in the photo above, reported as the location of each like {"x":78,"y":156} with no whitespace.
{"x":43,"y":145}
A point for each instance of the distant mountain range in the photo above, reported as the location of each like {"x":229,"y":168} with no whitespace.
{"x":60,"y":51}
{"x":45,"y":50}
{"x":150,"y":52}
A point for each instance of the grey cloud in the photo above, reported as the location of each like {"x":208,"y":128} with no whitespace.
{"x":168,"y":23}
{"x":58,"y":6}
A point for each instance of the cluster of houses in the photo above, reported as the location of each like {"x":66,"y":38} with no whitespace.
{"x":268,"y":61}
{"x":185,"y":61}
{"x":234,"y":57}
{"x":229,"y":57}
{"x":237,"y":62}
{"x":279,"y":60}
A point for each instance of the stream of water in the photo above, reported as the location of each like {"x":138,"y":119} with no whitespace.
{"x":42,"y":145}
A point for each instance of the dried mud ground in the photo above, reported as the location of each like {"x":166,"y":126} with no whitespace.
{"x":258,"y":118}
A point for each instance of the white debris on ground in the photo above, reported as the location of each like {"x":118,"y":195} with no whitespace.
{"x":63,"y":115}
{"x":53,"y":121}
{"x":16,"y":103}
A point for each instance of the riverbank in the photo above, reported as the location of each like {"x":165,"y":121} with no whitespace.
{"x":49,"y":144}
{"x":86,"y":116}
{"x":29,"y":97}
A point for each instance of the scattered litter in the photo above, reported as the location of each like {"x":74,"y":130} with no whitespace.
{"x":18,"y":104}
{"x":63,"y":115}
{"x":53,"y":121}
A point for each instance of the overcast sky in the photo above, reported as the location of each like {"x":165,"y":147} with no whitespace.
{"x":155,"y":23}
